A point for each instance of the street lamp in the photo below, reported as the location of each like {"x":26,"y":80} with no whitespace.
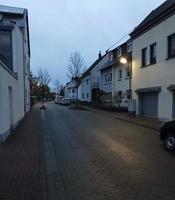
{"x":124,"y":61}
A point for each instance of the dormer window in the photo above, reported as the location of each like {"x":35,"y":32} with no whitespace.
{"x":119,"y":52}
{"x":6,"y":48}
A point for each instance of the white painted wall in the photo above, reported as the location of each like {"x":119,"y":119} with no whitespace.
{"x":96,"y":74}
{"x":85,"y":89}
{"x":120,"y":84}
{"x":161,"y":74}
{"x":71,"y":90}
{"x":16,"y":83}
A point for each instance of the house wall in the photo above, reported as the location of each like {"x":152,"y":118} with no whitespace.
{"x":84,"y":89}
{"x":96,"y":74}
{"x":161,"y":74}
{"x":120,"y":84}
{"x":12,"y":104}
{"x":17,"y":85}
{"x":71,"y":91}
{"x":106,"y":87}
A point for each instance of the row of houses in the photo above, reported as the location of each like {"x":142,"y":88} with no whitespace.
{"x":14,"y":68}
{"x":140,"y":73}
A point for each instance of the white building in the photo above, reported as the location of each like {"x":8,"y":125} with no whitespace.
{"x":71,"y":89}
{"x":14,"y":68}
{"x":153,"y":65}
{"x":89,"y":80}
{"x":121,"y":73}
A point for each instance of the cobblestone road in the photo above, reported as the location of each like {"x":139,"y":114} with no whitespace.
{"x":90,"y":156}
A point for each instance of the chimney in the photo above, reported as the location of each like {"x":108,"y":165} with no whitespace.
{"x":99,"y":55}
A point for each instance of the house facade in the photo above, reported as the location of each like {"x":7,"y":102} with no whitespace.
{"x":153,"y":63}
{"x":84,"y":89}
{"x":96,"y":79}
{"x":14,"y":68}
{"x":122,"y":74}
{"x":116,"y":76}
{"x":90,"y":82}
{"x":71,"y":89}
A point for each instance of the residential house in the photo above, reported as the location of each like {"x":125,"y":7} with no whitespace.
{"x":121,"y":74}
{"x":71,"y":89}
{"x":96,"y":86}
{"x":106,"y":79}
{"x":14,"y":68}
{"x":87,"y":82}
{"x":153,"y":63}
{"x":116,"y":76}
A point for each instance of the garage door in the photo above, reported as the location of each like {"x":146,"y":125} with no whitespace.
{"x":174,"y":105}
{"x":149,"y":104}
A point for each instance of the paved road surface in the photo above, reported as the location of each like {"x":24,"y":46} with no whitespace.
{"x":91,"y":156}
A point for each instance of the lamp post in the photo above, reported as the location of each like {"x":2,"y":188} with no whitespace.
{"x":125,"y":62}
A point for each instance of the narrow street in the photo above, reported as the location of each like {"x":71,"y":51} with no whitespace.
{"x":90,"y":156}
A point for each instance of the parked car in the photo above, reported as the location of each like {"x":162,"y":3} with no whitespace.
{"x":56,"y":99}
{"x":167,"y":135}
{"x":65,"y":101}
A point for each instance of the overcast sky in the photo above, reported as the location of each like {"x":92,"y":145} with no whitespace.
{"x":59,"y":27}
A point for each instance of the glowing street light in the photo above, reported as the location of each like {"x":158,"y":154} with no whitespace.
{"x":123,"y":60}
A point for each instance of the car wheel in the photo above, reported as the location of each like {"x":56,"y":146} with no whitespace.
{"x":169,"y":141}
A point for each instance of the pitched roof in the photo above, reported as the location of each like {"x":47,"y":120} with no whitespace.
{"x":156,"y":16}
{"x":11,"y":10}
{"x":115,"y":59}
{"x":87,"y":72}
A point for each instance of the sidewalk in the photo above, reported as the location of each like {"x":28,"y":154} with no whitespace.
{"x":140,"y":121}
{"x":21,"y":174}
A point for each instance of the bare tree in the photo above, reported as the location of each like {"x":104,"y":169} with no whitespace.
{"x":75,"y":65}
{"x":44,"y":77}
{"x":57,"y":86}
{"x":44,"y":80}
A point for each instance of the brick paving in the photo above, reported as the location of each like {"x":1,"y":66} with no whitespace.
{"x":21,"y":174}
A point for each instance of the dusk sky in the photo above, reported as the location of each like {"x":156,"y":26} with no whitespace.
{"x":59,"y":27}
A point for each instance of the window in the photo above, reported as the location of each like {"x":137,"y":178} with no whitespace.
{"x":129,"y":47}
{"x":153,"y":54}
{"x":111,"y":56}
{"x":73,"y":90}
{"x":87,"y":81}
{"x":129,"y":69}
{"x":6,"y":48}
{"x":119,"y":52}
{"x":144,"y":56}
{"x":171,"y":46}
{"x":127,"y":72}
{"x":120,"y":74}
{"x":108,"y":96}
{"x":83,"y":95}
{"x":108,"y":78}
{"x":129,"y":94}
{"x":119,"y":94}
{"x":87,"y":95}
